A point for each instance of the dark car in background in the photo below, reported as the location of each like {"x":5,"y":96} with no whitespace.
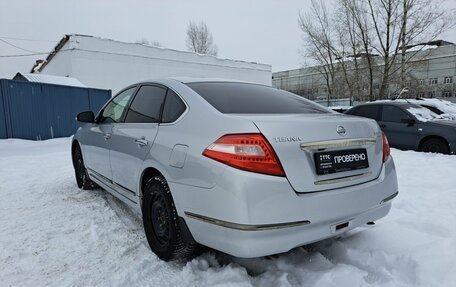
{"x":410,"y":126}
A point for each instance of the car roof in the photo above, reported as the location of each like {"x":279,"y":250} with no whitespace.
{"x":187,"y":80}
{"x":390,"y":102}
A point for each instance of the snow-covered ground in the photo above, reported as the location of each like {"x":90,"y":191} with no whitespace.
{"x":52,"y":233}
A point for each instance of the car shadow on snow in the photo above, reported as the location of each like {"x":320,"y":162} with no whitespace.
{"x":337,"y":257}
{"x":300,"y":266}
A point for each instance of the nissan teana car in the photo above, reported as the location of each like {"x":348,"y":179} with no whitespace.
{"x":242,"y":168}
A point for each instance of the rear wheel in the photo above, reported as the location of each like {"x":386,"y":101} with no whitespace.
{"x":435,"y":145}
{"x":161,"y":222}
{"x":80,"y":171}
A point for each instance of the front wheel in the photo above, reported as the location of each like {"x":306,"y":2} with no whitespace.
{"x":161,"y":223}
{"x":435,"y":145}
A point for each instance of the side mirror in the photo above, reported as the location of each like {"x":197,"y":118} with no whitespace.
{"x":86,"y":117}
{"x":408,"y":121}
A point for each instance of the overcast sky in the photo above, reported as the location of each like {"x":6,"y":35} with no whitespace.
{"x":263,"y":31}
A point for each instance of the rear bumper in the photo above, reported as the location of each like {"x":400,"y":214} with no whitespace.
{"x":248,"y":244}
{"x":251,"y":215}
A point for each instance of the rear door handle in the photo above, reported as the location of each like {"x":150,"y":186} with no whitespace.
{"x":107,"y":136}
{"x":383,"y":126}
{"x":141,"y":142}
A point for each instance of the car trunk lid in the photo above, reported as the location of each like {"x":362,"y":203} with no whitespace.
{"x":298,"y":138}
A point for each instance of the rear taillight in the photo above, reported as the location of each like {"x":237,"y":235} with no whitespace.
{"x":386,"y":147}
{"x":251,"y":152}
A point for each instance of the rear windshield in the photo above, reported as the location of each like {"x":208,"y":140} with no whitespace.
{"x":242,"y":98}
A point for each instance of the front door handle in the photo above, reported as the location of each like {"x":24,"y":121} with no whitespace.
{"x":383,"y":126}
{"x":141,"y":142}
{"x":107,"y":136}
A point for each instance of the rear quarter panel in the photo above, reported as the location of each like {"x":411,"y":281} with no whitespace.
{"x":200,"y":126}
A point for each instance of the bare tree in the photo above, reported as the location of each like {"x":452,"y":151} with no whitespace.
{"x":144,"y":41}
{"x":199,"y":39}
{"x":371,"y":39}
{"x":362,"y":42}
{"x":318,"y":36}
{"x":423,"y":21}
{"x":156,"y":43}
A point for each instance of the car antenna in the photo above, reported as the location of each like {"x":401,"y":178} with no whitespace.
{"x":403,"y":91}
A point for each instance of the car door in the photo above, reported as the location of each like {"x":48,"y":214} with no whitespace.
{"x":98,"y":139}
{"x":399,"y":134}
{"x":133,"y":138}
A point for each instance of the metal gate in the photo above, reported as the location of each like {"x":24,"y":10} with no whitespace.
{"x":38,"y":111}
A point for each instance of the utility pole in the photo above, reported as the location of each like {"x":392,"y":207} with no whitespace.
{"x":404,"y":49}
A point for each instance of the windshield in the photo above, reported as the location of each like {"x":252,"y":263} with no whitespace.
{"x":423,"y":114}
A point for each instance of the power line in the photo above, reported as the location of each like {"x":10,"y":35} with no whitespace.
{"x":22,"y":55}
{"x":33,"y":54}
{"x":25,"y":39}
{"x":17,"y":47}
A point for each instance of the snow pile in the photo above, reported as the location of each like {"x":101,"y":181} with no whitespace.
{"x":52,"y":233}
{"x":447,"y":107}
{"x":423,"y":114}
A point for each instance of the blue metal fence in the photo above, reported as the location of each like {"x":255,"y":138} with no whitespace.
{"x":40,"y":111}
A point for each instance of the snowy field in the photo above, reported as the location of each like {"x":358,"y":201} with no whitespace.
{"x":53,"y":234}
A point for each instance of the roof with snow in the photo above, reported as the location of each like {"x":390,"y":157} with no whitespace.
{"x":49,"y":79}
{"x":102,"y":45}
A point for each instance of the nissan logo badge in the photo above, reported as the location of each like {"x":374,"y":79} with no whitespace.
{"x":341,"y":130}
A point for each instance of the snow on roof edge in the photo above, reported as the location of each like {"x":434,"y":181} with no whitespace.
{"x":169,"y":49}
{"x":40,"y":64}
{"x":51,"y":79}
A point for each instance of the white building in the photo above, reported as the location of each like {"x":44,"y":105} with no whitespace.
{"x":108,"y":64}
{"x":431,"y":72}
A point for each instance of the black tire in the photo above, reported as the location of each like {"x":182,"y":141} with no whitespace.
{"x":435,"y":145}
{"x":80,"y":171}
{"x":161,"y":222}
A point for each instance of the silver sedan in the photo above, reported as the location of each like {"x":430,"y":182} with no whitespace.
{"x":245,"y":169}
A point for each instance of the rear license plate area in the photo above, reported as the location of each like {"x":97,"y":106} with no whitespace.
{"x":339,"y":161}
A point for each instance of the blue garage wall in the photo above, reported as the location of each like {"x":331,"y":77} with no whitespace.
{"x":3,"y":133}
{"x":97,"y":98}
{"x":39,"y":111}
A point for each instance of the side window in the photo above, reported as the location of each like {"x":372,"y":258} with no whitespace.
{"x":369,"y":111}
{"x":393,"y":114}
{"x":146,"y":105}
{"x":174,"y":107}
{"x":114,"y":110}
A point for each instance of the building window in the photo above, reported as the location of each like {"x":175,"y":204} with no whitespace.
{"x":431,"y":94}
{"x":433,"y":81}
{"x":448,"y":80}
{"x":446,"y":94}
{"x":421,"y":83}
